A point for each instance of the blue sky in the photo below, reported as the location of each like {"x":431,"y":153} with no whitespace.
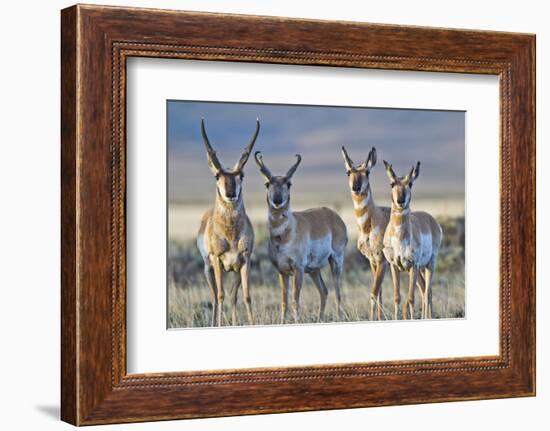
{"x":436,"y":138}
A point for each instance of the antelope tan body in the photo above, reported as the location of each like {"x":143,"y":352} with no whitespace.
{"x":302,"y":242}
{"x":305,"y":240}
{"x":371,"y":222}
{"x":412,"y":239}
{"x":226,"y":237}
{"x":411,"y":243}
{"x":227,"y":234}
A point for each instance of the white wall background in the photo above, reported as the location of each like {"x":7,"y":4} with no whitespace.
{"x":29,"y":214}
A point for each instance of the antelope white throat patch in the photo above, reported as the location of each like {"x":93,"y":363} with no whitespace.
{"x":362,"y":204}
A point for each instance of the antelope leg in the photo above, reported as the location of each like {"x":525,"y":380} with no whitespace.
{"x":429,"y":278}
{"x":372,"y":291}
{"x":379,"y":271}
{"x":218,"y":273}
{"x":234,"y":296}
{"x":284,"y":284}
{"x":210,"y":279}
{"x":421,"y":283}
{"x":409,"y":304}
{"x":297,"y":287}
{"x":396,"y":291}
{"x":323,"y":291}
{"x":336,"y":265}
{"x":246,"y":291}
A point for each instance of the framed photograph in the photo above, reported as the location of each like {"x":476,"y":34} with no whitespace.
{"x":266,"y":215}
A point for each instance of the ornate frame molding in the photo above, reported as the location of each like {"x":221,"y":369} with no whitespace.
{"x":96,"y":41}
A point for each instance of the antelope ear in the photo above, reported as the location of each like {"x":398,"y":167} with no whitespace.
{"x":371,"y":160}
{"x":415,"y":171}
{"x":389,"y":172}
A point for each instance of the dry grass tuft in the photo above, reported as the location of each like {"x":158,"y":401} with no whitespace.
{"x":189,"y":296}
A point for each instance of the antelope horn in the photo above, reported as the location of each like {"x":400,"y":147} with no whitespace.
{"x":293,"y":167}
{"x":390,"y":172}
{"x":246,"y":154}
{"x":347,"y":159}
{"x":260,"y":162}
{"x":209,"y":150}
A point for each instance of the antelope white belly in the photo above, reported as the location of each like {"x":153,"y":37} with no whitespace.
{"x":425,"y":250}
{"x":201,"y":246}
{"x":282,"y":257}
{"x":402,"y":253}
{"x":318,"y":252}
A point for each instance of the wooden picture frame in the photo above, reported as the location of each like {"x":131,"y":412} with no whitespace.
{"x":95,"y":43}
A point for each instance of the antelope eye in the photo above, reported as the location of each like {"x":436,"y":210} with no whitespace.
{"x":348,"y":173}
{"x":241,"y":176}
{"x":410,"y":185}
{"x":392,"y":185}
{"x":266,"y":185}
{"x":217,"y":176}
{"x":289,"y":184}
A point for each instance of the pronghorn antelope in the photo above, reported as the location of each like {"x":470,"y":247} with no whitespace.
{"x":372,"y":221}
{"x":226,"y":237}
{"x":302,"y":242}
{"x":411,"y":243}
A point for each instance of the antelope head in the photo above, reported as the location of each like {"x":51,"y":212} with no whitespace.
{"x":358,"y":175}
{"x":228,"y":181}
{"x":401,"y":187}
{"x":278,"y":187}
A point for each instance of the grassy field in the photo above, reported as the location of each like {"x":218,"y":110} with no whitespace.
{"x":189,"y":296}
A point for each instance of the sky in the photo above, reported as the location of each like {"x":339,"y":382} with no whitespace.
{"x":401,"y":136}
